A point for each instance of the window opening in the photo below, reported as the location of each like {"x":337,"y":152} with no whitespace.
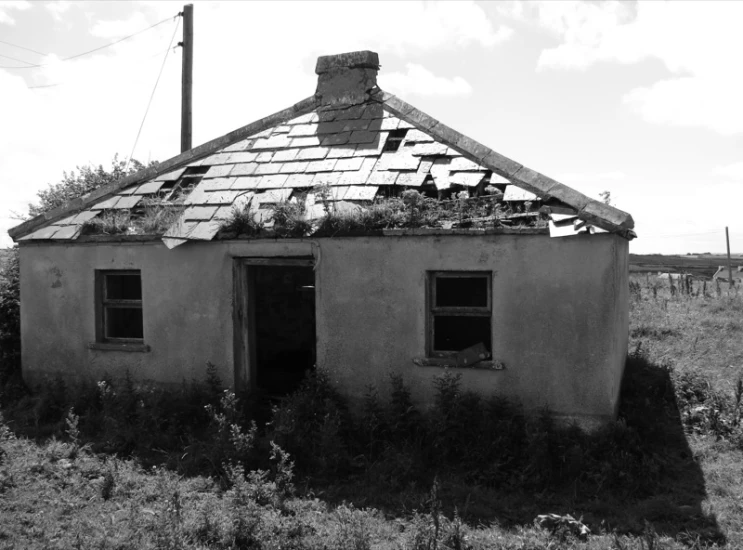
{"x":460,"y":312}
{"x":119,"y":305}
{"x":394,"y":139}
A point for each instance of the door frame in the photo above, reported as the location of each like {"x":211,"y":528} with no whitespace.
{"x":244,"y":360}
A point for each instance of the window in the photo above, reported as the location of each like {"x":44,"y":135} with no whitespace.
{"x":119,"y":307}
{"x":460,"y":312}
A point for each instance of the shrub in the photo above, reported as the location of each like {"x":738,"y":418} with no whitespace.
{"x":313,"y":425}
{"x":10,"y":319}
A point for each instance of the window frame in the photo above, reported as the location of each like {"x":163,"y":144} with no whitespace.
{"x":432,"y":310}
{"x":102,"y":304}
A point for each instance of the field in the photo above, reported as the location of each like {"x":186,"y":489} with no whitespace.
{"x":667,"y":475}
{"x":699,"y":265}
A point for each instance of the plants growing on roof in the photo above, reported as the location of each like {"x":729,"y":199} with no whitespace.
{"x":110,"y":222}
{"x":242,"y":220}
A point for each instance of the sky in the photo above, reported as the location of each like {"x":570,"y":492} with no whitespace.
{"x":641,"y":99}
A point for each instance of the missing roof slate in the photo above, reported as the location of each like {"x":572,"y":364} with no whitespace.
{"x":394,"y":140}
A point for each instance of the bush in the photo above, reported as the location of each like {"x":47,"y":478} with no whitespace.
{"x":10,"y":319}
{"x":313,"y":425}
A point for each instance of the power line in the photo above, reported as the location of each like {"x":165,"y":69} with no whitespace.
{"x":94,"y":49}
{"x":143,"y":58}
{"x":152,"y":95}
{"x":16,"y":59}
{"x":22,"y":47}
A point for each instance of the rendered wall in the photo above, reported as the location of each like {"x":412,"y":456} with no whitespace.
{"x":560,"y":316}
{"x":560,"y":312}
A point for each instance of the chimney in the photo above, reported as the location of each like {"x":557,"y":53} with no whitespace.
{"x":346,"y":78}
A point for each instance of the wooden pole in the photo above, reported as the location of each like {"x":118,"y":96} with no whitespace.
{"x":730,"y":267}
{"x":187,"y":78}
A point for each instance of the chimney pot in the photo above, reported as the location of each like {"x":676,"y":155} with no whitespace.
{"x":346,"y":78}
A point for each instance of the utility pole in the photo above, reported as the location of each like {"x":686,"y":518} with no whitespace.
{"x":187,"y":78}
{"x":730,"y":267}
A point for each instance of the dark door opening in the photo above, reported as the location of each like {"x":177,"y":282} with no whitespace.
{"x":283,"y":342}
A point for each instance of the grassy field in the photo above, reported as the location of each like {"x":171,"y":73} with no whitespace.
{"x":699,"y":265}
{"x":126,"y":474}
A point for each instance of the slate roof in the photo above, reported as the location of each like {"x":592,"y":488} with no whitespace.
{"x":356,"y":152}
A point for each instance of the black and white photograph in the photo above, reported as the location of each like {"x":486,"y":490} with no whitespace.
{"x":374,"y":275}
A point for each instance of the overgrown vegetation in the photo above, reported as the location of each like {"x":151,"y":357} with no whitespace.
{"x":471,"y":472}
{"x":242,"y":220}
{"x":410,"y":210}
{"x":10,"y":322}
{"x":152,"y":218}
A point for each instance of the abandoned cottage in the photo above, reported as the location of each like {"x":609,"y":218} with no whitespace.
{"x":351,"y":232}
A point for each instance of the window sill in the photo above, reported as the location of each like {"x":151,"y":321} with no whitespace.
{"x":452,"y":364}
{"x":111,"y":346}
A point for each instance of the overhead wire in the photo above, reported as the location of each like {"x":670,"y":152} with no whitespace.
{"x":16,"y":59}
{"x":35,"y":66}
{"x":142,"y":58}
{"x":23,"y":48}
{"x":152,"y":95}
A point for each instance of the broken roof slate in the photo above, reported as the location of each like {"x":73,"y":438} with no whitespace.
{"x":343,"y":147}
{"x":127,"y":202}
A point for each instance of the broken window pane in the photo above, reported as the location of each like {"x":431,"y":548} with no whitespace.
{"x":123,"y":287}
{"x":462,"y":291}
{"x":455,"y":333}
{"x":123,"y":322}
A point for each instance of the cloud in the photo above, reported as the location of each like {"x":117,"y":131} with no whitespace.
{"x":734,"y":171}
{"x":697,"y":42}
{"x":11,"y":5}
{"x":60,"y":7}
{"x":417,"y":80}
{"x":239,"y":77}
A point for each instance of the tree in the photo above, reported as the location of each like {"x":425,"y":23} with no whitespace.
{"x":605,"y":197}
{"x":86,"y":179}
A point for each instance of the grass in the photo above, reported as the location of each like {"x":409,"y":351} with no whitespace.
{"x":198,"y":468}
{"x":153,"y":218}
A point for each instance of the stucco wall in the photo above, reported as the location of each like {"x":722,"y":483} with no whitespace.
{"x":560,"y":314}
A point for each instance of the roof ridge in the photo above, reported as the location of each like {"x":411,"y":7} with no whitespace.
{"x":305,"y":106}
{"x":591,"y":210}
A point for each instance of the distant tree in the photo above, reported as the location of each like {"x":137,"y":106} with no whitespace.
{"x":77,"y":183}
{"x":605,"y":197}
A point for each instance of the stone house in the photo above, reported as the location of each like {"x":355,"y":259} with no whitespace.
{"x":527,"y":301}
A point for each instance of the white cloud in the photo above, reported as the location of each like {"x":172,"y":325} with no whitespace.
{"x":60,"y":7}
{"x":698,"y":42}
{"x":11,"y":5}
{"x":417,"y":80}
{"x":239,"y":76}
{"x":734,"y":171}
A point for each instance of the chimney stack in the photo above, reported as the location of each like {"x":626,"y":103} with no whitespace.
{"x":346,"y":78}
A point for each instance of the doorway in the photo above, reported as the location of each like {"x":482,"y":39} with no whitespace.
{"x":278,"y":332}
